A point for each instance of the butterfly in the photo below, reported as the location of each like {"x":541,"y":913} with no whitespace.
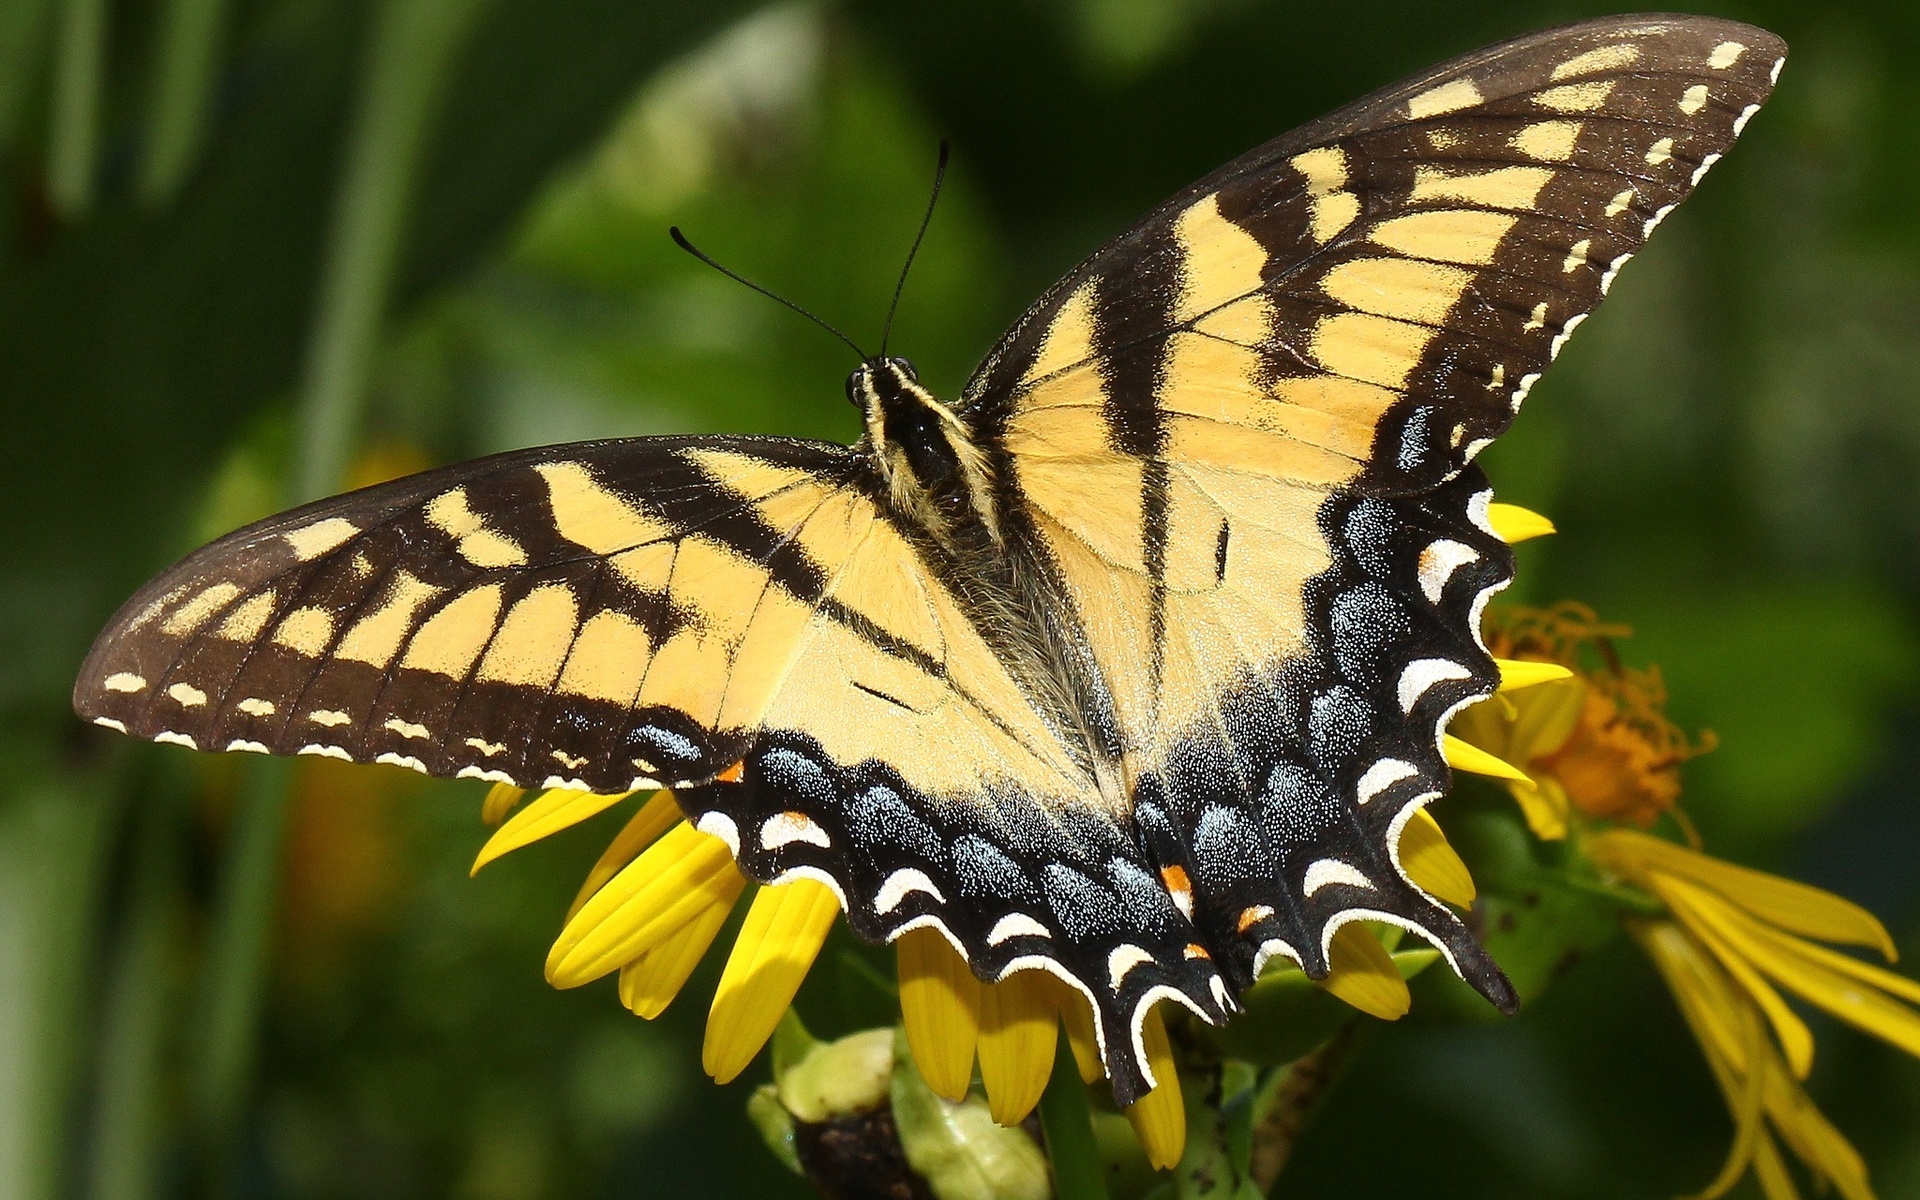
{"x":1132,"y":663}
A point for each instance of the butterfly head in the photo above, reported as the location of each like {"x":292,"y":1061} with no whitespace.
{"x":879,"y":380}
{"x":925,"y":451}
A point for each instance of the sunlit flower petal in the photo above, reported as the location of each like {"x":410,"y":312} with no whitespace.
{"x":1815,"y":1141}
{"x":1785,"y":960}
{"x":1517,"y":673}
{"x":502,"y":798}
{"x":1465,"y":756}
{"x":1160,"y":1117}
{"x":1771,"y":1170}
{"x":1511,"y":523}
{"x":642,"y":906}
{"x":555,"y":810}
{"x":650,"y":982}
{"x":1361,"y":972}
{"x":940,"y":1006}
{"x":1018,"y":1019}
{"x":1792,"y":906}
{"x":1726,"y":1026}
{"x":655,"y":817}
{"x":1729,"y":1038}
{"x":1431,"y":862}
{"x":1078,"y":1018}
{"x":1544,"y":804}
{"x":1796,"y":1041}
{"x":777,"y":944}
{"x":1524,"y":724}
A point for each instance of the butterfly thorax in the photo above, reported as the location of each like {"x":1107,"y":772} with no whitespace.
{"x":936,"y":475}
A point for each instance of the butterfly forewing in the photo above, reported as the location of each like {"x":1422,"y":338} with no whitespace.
{"x":738,"y":618}
{"x":1238,"y":437}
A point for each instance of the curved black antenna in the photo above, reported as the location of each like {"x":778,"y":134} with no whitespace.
{"x":680,"y":240}
{"x":939,"y":175}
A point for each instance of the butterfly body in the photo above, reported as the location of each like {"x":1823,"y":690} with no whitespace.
{"x":1130,"y":664}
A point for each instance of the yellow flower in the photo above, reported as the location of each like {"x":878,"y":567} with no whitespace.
{"x":1733,"y":938}
{"x":1596,"y":746}
{"x":1595,"y":740}
{"x":652,"y":905}
{"x":1755,"y":926}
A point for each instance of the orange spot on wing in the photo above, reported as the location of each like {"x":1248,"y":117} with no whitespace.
{"x":732,"y":774}
{"x":1176,"y":879}
{"x":1196,"y":950}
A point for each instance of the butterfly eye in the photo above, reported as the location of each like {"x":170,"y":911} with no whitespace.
{"x":853,"y":387}
{"x":905,"y":368}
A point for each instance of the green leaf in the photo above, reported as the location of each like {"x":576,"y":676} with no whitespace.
{"x":1286,"y":1014}
{"x":957,"y":1148}
{"x":1067,"y":1122}
{"x":1214,"y":1165}
{"x":775,"y":1124}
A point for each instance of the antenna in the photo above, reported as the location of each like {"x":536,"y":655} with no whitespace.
{"x":939,"y":176}
{"x":680,"y":240}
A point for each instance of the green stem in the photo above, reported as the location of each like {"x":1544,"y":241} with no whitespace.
{"x":1068,"y":1124}
{"x":237,"y":952}
{"x":1636,"y":902}
{"x":73,"y":140}
{"x":1291,"y":1100}
{"x":186,"y":70}
{"x":413,"y":49}
{"x":23,"y":31}
{"x":55,"y":843}
{"x":126,"y":1162}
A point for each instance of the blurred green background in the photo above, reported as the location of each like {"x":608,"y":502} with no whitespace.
{"x":251,"y":249}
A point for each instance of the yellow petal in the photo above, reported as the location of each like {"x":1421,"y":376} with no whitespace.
{"x":1431,"y":862}
{"x":1746,"y":1102}
{"x":1545,"y":805}
{"x":1160,"y":1117}
{"x":655,"y":817}
{"x":1796,"y":1041}
{"x":502,"y":798}
{"x":1078,"y":1018}
{"x":555,"y":810}
{"x":642,"y":906}
{"x":1465,"y":756}
{"x":1517,"y":673}
{"x":940,"y":1006}
{"x":777,"y":944}
{"x":1545,"y":716}
{"x":1776,"y":1182}
{"x":1838,"y":991}
{"x":1808,"y":1133}
{"x":1511,"y":523}
{"x":1793,"y":906}
{"x":1706,"y":997}
{"x":1842,"y":964}
{"x":649,"y":983}
{"x":1018,"y":1021}
{"x":1822,"y":1147}
{"x":1361,"y":972}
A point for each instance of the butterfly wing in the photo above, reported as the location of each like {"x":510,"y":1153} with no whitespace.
{"x":1238,"y":441}
{"x":734,"y":617}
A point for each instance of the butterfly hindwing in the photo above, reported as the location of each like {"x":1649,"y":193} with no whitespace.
{"x":1238,"y":438}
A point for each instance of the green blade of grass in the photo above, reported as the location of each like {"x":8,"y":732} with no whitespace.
{"x":186,"y":69}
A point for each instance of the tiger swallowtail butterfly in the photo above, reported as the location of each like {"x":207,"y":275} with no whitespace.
{"x":1132,"y":663}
